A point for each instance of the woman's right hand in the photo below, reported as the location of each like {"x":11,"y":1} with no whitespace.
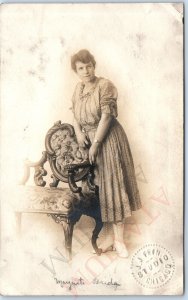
{"x":83,"y":140}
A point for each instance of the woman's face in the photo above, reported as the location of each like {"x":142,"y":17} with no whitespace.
{"x":86,"y":72}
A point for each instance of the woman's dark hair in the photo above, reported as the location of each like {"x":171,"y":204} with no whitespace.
{"x":83,"y":56}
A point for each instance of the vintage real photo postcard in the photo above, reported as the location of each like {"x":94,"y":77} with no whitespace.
{"x":92,"y":149}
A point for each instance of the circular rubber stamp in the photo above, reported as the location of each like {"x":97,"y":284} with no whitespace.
{"x":152,"y":266}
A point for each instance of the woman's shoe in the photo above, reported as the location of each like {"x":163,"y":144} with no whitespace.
{"x":121,"y":249}
{"x":118,"y":242}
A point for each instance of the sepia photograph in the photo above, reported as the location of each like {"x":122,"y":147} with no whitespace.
{"x":92,"y":118}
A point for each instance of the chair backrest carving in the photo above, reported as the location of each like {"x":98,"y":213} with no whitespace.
{"x":63,"y":152}
{"x":68,"y":162}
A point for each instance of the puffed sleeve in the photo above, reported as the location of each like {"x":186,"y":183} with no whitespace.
{"x":108,"y":98}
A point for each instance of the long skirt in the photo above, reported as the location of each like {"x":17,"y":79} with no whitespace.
{"x":115,"y":175}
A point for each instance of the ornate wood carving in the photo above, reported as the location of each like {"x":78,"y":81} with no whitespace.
{"x":38,"y":176}
{"x":58,"y":218}
{"x":69,"y":162}
{"x":55,"y":181}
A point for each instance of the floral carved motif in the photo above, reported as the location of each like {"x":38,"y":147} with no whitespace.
{"x":63,"y":151}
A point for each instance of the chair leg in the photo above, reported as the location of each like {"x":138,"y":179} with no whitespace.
{"x":97,"y":229}
{"x":68,"y":233}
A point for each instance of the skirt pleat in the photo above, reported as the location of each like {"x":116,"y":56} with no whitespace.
{"x":115,"y":176}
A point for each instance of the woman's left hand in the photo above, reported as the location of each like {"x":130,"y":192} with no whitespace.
{"x":93,"y":151}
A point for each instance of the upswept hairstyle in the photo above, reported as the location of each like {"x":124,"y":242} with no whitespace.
{"x":83,"y":56}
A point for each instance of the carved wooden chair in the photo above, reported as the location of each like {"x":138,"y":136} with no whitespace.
{"x":68,"y":163}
